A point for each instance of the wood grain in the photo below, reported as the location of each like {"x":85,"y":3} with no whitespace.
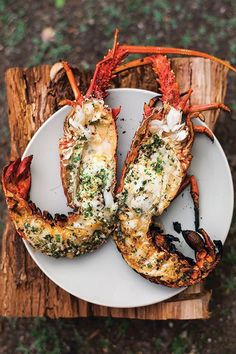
{"x":32,"y":98}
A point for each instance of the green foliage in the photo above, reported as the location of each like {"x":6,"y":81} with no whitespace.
{"x":104,"y":343}
{"x":14,"y":26}
{"x":134,"y":5}
{"x":59,"y":4}
{"x":44,"y":339}
{"x":83,"y":27}
{"x":23,"y":349}
{"x":163,"y":5}
{"x":17,"y":35}
{"x":3,"y":3}
{"x":229,"y":285}
{"x":52,"y":50}
{"x":178,"y":346}
{"x":112,"y":11}
{"x":80,"y":340}
{"x":122,"y":328}
{"x":186,"y":39}
{"x":157,"y":15}
{"x":230,"y":257}
{"x":109,"y":321}
{"x":158,"y":344}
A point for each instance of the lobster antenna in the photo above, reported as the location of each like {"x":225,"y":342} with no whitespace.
{"x":165,"y":50}
{"x":115,"y":41}
{"x":72,"y":81}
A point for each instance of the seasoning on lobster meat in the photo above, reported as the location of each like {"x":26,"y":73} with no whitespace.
{"x":155,"y":172}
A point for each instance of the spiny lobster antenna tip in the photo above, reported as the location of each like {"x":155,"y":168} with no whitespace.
{"x":115,"y":39}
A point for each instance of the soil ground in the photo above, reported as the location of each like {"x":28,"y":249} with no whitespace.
{"x":35,"y":32}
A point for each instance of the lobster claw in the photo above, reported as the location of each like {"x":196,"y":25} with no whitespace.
{"x":200,"y":241}
{"x":207,"y":252}
{"x":194,"y":240}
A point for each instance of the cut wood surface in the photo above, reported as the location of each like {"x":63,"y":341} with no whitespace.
{"x":24,"y":290}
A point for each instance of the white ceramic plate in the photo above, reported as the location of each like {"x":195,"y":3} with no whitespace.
{"x":103,"y":277}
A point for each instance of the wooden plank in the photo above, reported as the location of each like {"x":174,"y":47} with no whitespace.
{"x":32,"y":98}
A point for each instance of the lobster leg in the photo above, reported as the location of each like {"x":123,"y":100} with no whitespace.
{"x":206,"y":107}
{"x":204,"y":130}
{"x":194,"y":190}
{"x":184,"y":100}
{"x":202,"y":108}
{"x":198,"y":128}
{"x":68,"y":102}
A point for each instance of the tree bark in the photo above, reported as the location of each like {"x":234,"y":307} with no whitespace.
{"x":32,"y":98}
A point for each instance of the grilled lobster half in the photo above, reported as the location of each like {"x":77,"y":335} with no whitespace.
{"x":88,"y":147}
{"x":88,"y":171}
{"x":155,"y":172}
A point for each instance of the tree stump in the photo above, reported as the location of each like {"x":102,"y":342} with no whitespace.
{"x":32,"y":98}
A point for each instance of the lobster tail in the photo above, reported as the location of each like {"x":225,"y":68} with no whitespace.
{"x":16,"y":177}
{"x":208,"y":253}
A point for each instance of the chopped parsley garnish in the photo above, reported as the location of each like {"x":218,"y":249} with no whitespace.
{"x":88,"y":211}
{"x":157,"y":166}
{"x":76,"y":159}
{"x":58,"y":237}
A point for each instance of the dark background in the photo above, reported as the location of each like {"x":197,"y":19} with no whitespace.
{"x":36,"y":32}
